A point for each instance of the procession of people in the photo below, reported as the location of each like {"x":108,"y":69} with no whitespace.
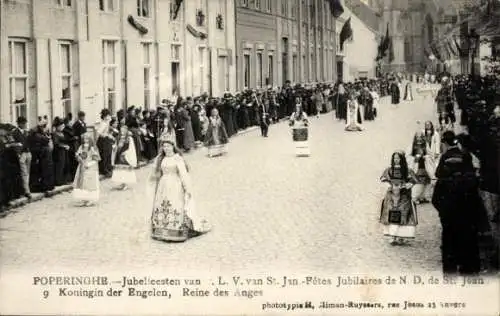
{"x":457,"y":174}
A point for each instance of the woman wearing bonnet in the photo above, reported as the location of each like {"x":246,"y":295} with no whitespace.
{"x":174,"y":218}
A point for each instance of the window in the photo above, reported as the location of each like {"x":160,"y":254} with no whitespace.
{"x":294,"y":9}
{"x":18,"y":79}
{"x":269,"y":5}
{"x":270,"y":69}
{"x":109,"y":74}
{"x":143,"y":8}
{"x":63,"y":3}
{"x":258,"y":4}
{"x":284,"y":7}
{"x":295,"y":68}
{"x":146,"y":56}
{"x":304,"y":67}
{"x":259,"y":71}
{"x":244,"y":3}
{"x":201,"y":54}
{"x":246,"y":67}
{"x":66,"y":77}
{"x":176,"y":68}
{"x":107,"y":5}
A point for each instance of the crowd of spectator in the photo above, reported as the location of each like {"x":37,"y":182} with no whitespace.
{"x":37,"y":159}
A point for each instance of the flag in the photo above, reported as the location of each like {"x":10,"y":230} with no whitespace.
{"x":452,"y":48}
{"x":391,"y":50}
{"x":435,"y":51}
{"x":345,"y":33}
{"x":384,"y":45}
{"x":177,"y":8}
{"x":336,"y":8}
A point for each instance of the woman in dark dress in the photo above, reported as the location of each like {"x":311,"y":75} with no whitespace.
{"x":60,"y":153}
{"x":105,"y":142}
{"x":395,"y":93}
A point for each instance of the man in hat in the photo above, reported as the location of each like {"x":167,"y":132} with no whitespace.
{"x":80,"y":127}
{"x":265,"y":117}
{"x":22,"y":147}
{"x":41,"y":145}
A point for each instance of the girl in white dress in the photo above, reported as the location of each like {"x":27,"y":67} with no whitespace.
{"x":174,"y":218}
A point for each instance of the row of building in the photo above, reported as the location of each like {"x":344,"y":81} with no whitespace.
{"x":62,"y":56}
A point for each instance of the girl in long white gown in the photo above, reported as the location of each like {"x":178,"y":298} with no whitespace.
{"x":86,"y":182}
{"x":174,"y":218}
{"x":352,"y":114}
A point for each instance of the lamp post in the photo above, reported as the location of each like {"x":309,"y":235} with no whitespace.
{"x":473,"y":39}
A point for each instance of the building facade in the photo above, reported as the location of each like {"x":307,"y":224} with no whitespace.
{"x":422,"y":29}
{"x":284,"y":40}
{"x":357,"y":57}
{"x":61,"y":56}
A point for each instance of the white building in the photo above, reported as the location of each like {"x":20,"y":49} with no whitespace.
{"x":357,"y":58}
{"x":60,"y":56}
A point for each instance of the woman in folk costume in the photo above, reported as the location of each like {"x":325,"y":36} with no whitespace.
{"x":398,"y":213}
{"x":408,"y":92}
{"x":418,"y":156}
{"x":375,"y":98}
{"x":352,"y":124}
{"x":433,"y":145}
{"x":319,"y":100}
{"x":216,"y":138}
{"x":86,"y":183}
{"x":125,"y":160}
{"x":174,"y":218}
{"x":300,"y":129}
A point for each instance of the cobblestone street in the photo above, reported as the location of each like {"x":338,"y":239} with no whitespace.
{"x":268,"y":209}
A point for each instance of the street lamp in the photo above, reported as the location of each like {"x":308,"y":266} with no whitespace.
{"x":473,"y":39}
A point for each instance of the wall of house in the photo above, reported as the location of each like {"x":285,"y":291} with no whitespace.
{"x":42,"y":26}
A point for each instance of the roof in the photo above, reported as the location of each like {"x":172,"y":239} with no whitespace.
{"x":366,"y":14}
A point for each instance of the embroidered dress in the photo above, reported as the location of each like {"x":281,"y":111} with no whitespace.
{"x":398,"y":214}
{"x":174,"y":217}
{"x":300,"y":133}
{"x":86,"y":182}
{"x":125,"y":161}
{"x":216,"y":138}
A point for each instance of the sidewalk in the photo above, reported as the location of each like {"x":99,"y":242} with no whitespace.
{"x":68,"y":187}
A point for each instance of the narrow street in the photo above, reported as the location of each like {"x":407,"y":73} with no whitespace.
{"x":268,"y":209}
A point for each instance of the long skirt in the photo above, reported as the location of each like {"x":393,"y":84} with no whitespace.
{"x":399,"y":221}
{"x":217,"y":150}
{"x":301,"y":141}
{"x":124,"y":175}
{"x":174,"y":218}
{"x":86,"y":183}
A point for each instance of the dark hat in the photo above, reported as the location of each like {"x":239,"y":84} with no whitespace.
{"x":131,"y":108}
{"x":22,"y":120}
{"x":57,"y":122}
{"x":227,"y":95}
